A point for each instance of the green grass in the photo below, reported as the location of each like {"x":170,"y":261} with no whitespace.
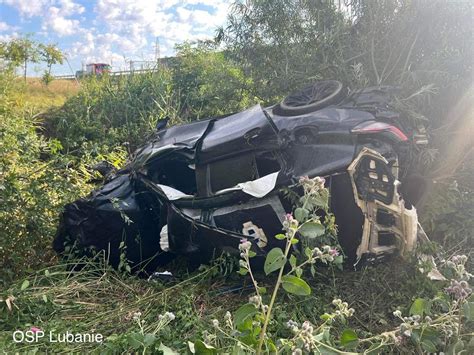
{"x":101,"y":300}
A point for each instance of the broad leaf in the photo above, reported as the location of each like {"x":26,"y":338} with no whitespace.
{"x":274,"y":261}
{"x":348,"y":338}
{"x":166,"y":350}
{"x":301,"y":214}
{"x":320,"y":201}
{"x":468,"y":310}
{"x":135,"y":340}
{"x":312,"y":230}
{"x":244,"y":312}
{"x":149,"y":339}
{"x":299,"y":272}
{"x":25,"y":285}
{"x":293,"y":261}
{"x":243,"y":271}
{"x":418,"y":307}
{"x":201,"y":348}
{"x":295,"y":285}
{"x":428,"y":346}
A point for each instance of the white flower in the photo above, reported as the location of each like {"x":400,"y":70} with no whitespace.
{"x":167,"y":316}
{"x":336,"y":301}
{"x":170,"y":316}
{"x":137,"y":315}
{"x":256,"y":300}
{"x":245,"y":245}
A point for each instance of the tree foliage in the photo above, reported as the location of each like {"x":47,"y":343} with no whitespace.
{"x":51,"y":55}
{"x":24,"y":50}
{"x":208,"y":83}
{"x":20,"y":51}
{"x":284,"y":43}
{"x":110,"y":112}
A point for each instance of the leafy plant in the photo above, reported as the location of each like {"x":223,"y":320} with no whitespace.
{"x":252,"y":319}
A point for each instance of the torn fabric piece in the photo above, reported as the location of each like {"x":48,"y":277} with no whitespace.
{"x":256,"y":188}
{"x":173,"y":194}
{"x":164,"y":243}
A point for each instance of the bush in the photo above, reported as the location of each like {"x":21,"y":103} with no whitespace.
{"x":111,"y":111}
{"x":208,"y":83}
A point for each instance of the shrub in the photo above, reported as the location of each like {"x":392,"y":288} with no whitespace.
{"x":111,"y":111}
{"x":35,"y":181}
{"x":208,"y":83}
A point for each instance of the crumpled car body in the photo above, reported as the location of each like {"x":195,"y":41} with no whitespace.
{"x":198,"y":189}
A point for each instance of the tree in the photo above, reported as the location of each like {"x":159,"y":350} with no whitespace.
{"x":208,"y":83}
{"x":51,"y":55}
{"x":283,"y":44}
{"x":20,"y":51}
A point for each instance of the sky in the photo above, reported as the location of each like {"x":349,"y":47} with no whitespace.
{"x":110,"y":31}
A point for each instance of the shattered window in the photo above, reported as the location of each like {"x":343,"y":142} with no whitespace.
{"x":176,"y":173}
{"x":229,"y":172}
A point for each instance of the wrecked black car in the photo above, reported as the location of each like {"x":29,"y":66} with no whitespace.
{"x":198,"y":189}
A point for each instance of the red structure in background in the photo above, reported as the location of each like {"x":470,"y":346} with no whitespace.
{"x":98,"y":68}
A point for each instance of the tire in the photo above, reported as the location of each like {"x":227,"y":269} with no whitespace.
{"x":311,"y":98}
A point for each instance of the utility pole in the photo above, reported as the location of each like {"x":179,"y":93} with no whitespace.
{"x":157,"y":49}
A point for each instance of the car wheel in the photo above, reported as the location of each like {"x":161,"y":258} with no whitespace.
{"x":311,"y":98}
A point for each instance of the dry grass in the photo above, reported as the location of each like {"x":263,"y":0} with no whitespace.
{"x":39,"y":97}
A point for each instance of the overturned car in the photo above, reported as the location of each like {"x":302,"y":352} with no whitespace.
{"x":198,"y":189}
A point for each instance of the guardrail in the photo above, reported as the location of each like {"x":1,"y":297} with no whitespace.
{"x":65,"y":77}
{"x":115,"y":73}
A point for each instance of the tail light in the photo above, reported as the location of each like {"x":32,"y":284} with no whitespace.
{"x":372,"y":127}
